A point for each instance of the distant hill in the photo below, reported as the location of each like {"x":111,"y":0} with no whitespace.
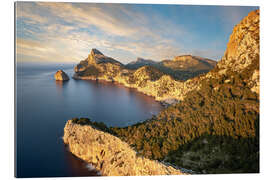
{"x":140,"y":62}
{"x":181,"y":67}
{"x":189,"y":63}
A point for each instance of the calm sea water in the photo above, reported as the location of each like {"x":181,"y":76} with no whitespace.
{"x":44,"y":105}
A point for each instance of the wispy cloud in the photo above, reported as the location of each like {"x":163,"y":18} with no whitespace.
{"x":67,"y":31}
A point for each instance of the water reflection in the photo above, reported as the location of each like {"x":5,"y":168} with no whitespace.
{"x":60,"y":84}
{"x":145,"y":102}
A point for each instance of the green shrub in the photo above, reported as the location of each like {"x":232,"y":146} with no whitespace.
{"x":81,"y":121}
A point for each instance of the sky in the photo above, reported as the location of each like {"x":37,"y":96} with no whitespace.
{"x":49,"y":32}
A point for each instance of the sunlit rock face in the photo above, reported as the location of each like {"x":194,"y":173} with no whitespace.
{"x":243,"y":46}
{"x":110,"y":155}
{"x":60,"y":75}
{"x":243,"y":51}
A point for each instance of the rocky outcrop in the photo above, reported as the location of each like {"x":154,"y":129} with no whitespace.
{"x":110,"y":155}
{"x":244,"y":45}
{"x":60,"y":75}
{"x":243,"y":52}
{"x":94,"y":59}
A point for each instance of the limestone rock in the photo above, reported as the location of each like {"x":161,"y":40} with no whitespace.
{"x":244,"y":44}
{"x":243,"y":51}
{"x":110,"y":155}
{"x":60,"y":75}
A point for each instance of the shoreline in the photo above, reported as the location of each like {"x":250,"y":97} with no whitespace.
{"x":164,"y":103}
{"x":111,"y":156}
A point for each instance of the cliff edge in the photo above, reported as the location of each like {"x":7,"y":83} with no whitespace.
{"x":110,"y":155}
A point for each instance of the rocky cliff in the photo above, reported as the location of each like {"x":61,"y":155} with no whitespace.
{"x":243,"y":51}
{"x":110,"y":155}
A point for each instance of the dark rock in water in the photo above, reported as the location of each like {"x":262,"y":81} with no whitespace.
{"x":60,"y":75}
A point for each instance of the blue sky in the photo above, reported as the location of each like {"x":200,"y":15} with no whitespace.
{"x":66,"y":32}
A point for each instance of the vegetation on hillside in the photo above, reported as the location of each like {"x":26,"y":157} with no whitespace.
{"x":86,"y":121}
{"x":224,"y":113}
{"x":177,"y":70}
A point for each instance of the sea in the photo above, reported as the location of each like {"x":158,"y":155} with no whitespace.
{"x":43,"y":106}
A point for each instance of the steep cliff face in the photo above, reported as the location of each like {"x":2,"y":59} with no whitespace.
{"x":110,"y":155}
{"x":243,"y":51}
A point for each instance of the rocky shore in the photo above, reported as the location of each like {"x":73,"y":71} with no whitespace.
{"x":108,"y":154}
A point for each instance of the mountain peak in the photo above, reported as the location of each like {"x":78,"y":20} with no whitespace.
{"x":244,"y":39}
{"x":95,"y":52}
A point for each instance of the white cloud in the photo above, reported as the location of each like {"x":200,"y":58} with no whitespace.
{"x":63,"y":35}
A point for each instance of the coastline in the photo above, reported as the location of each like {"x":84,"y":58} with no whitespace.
{"x":111,"y":156}
{"x":165,"y":102}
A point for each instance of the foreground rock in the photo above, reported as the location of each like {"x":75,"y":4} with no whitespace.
{"x":110,"y":155}
{"x":60,"y":75}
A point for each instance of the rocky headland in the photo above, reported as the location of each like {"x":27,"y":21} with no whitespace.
{"x":60,"y":75}
{"x":110,"y":155}
{"x":148,"y":77}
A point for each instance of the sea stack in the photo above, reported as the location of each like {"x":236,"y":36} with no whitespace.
{"x":60,"y":75}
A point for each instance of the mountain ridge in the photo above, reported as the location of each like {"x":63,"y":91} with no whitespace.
{"x":165,"y":88}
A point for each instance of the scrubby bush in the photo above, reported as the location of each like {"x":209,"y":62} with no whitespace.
{"x":227,"y":116}
{"x":81,"y":121}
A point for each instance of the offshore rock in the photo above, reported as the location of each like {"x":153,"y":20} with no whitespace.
{"x":60,"y":75}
